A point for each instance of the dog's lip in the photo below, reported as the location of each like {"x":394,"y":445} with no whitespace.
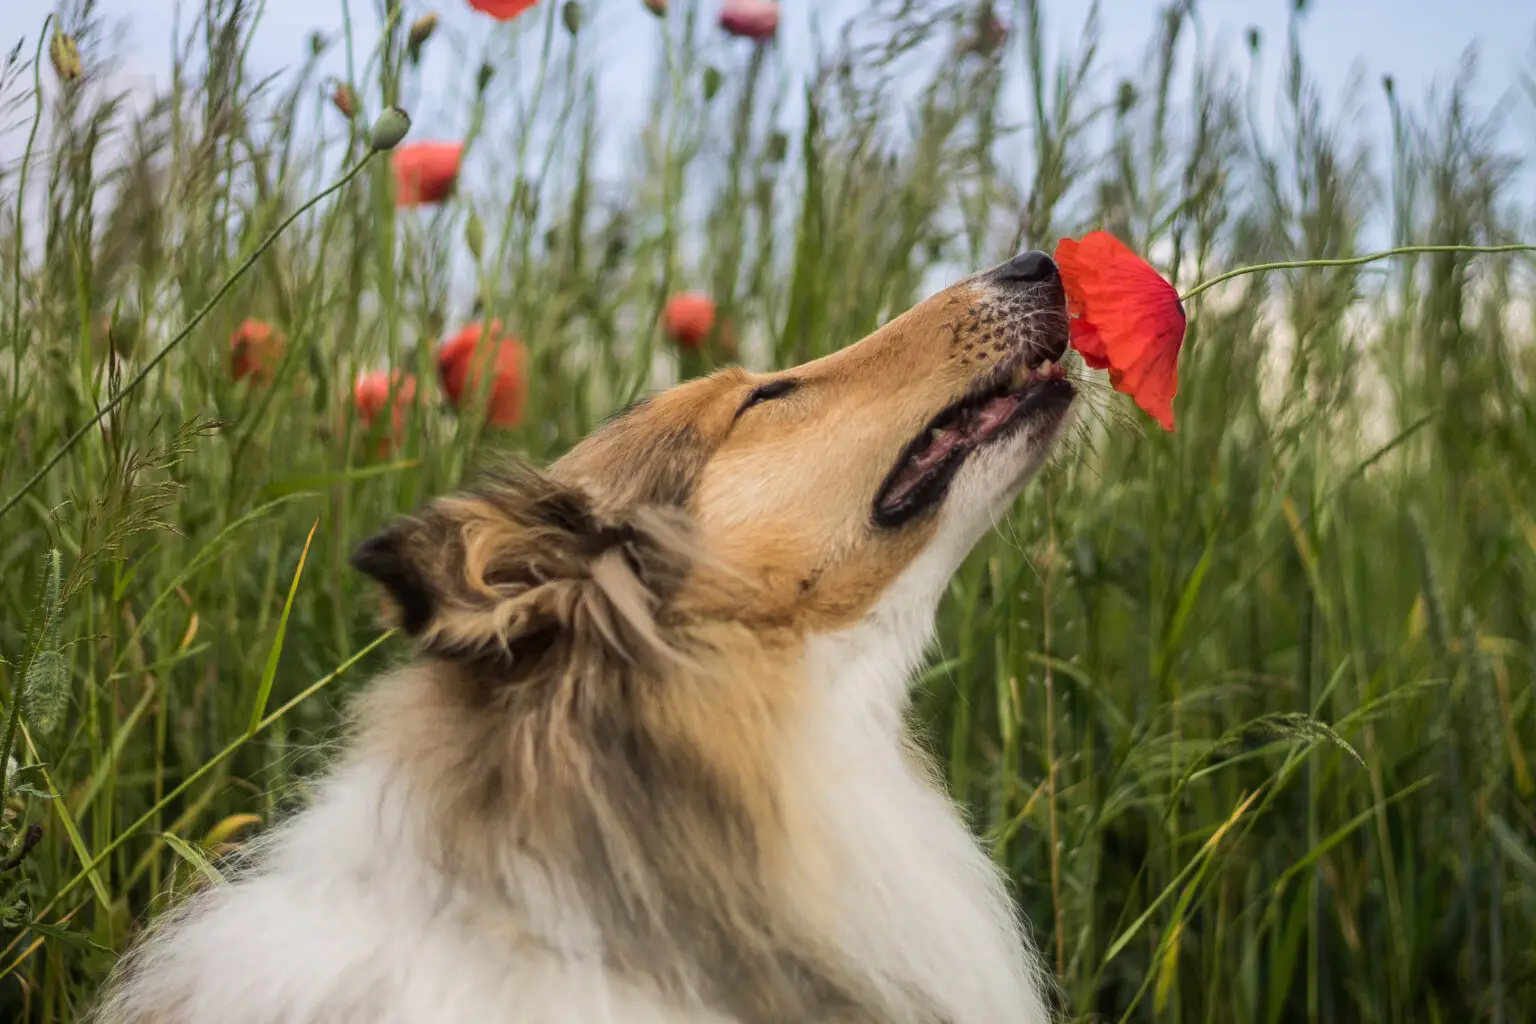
{"x":910,"y":488}
{"x":1051,"y":350}
{"x":1028,"y":364}
{"x":1031,"y":348}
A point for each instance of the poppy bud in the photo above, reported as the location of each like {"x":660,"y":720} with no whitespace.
{"x":65,"y":56}
{"x":474,"y":235}
{"x":712,"y":80}
{"x":389,"y":129}
{"x":988,"y":33}
{"x":657,"y":7}
{"x":571,"y":14}
{"x":727,"y":344}
{"x":344,"y":99}
{"x":483,"y":79}
{"x":1125,"y":99}
{"x":421,"y":31}
{"x":750,"y":19}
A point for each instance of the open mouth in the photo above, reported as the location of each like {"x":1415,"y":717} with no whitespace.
{"x":990,"y":413}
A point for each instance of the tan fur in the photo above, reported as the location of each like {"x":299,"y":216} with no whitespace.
{"x":611,"y":666}
{"x":777,"y":547}
{"x":782,"y":495}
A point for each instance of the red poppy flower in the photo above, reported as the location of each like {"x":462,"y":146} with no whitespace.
{"x":255,"y":348}
{"x":371,"y":396}
{"x":502,"y":10}
{"x":688,"y":319}
{"x":463,"y":357}
{"x":752,"y":19}
{"x":1125,"y":319}
{"x":426,"y":172}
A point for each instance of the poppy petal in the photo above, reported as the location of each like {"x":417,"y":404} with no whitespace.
{"x":426,"y":172}
{"x":461,"y":360}
{"x":750,"y":19}
{"x":1125,"y":318}
{"x":688,"y":319}
{"x":502,"y":10}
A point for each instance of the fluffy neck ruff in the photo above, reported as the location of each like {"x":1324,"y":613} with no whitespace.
{"x":651,"y":806}
{"x":745,"y":828}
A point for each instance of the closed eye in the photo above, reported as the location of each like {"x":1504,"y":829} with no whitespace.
{"x":767,"y":392}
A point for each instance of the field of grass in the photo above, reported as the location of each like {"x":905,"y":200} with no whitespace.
{"x":1245,"y":709}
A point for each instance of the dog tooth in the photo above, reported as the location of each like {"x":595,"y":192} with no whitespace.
{"x":1021,"y":375}
{"x":935,"y":433}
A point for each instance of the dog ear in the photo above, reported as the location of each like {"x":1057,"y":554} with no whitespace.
{"x":386,"y":558}
{"x":523,"y":562}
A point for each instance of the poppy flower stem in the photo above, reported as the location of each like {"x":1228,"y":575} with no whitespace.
{"x":1353,"y":261}
{"x":183,"y":334}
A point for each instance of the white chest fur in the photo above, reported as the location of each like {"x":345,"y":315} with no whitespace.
{"x":918,"y":901}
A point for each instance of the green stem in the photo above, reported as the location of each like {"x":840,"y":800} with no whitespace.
{"x":21,"y":199}
{"x":1352,"y":261}
{"x":181,"y":336}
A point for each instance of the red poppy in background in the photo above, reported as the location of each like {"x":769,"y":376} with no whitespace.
{"x":1125,"y":319}
{"x":688,"y":318}
{"x":371,"y":396}
{"x":255,"y":349}
{"x":426,"y":172}
{"x":463,"y":357}
{"x":502,"y":10}
{"x":751,"y":19}
{"x":344,"y":99}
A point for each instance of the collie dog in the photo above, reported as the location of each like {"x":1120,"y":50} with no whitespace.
{"x":651,"y":762}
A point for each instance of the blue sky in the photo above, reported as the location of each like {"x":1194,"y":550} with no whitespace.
{"x":1416,"y":41}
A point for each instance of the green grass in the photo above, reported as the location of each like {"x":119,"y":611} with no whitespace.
{"x":1246,"y":709}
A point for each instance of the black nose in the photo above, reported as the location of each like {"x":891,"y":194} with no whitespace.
{"x":1032,"y":267}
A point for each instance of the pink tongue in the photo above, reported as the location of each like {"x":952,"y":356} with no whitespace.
{"x":991,"y":416}
{"x":976,"y":426}
{"x":937,"y":451}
